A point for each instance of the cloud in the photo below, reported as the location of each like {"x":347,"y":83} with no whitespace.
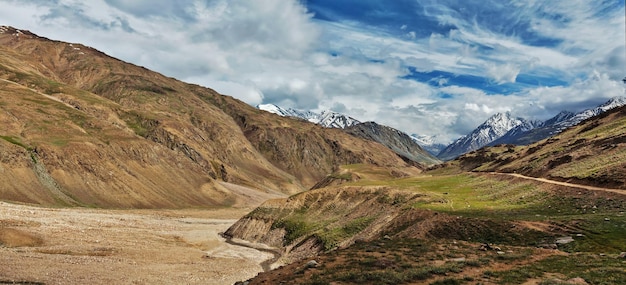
{"x":506,"y":73}
{"x":432,"y":67}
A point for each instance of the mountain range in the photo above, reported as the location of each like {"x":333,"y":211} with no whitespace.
{"x":326,"y":118}
{"x":502,"y":128}
{"x":77,"y":122}
{"x":399,"y":142}
{"x":556,"y":124}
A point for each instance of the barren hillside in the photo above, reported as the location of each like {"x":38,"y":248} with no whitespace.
{"x":82,"y":128}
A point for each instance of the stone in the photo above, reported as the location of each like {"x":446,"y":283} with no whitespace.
{"x":312,"y":264}
{"x":577,"y":281}
{"x":564,"y":240}
{"x":622,"y":255}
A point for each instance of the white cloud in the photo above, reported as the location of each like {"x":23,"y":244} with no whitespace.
{"x":506,"y":73}
{"x":274,"y":51}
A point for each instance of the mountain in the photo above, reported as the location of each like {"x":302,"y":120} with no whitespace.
{"x":591,"y":152}
{"x":82,"y":128}
{"x":429,"y":143}
{"x":586,"y":114}
{"x":326,"y":118}
{"x":560,"y":117}
{"x":289,"y":112}
{"x":493,"y":128}
{"x":398,"y":141}
{"x":556,"y":124}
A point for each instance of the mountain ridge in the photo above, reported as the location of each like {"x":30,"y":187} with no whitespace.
{"x":557,"y":124}
{"x":82,"y":124}
{"x":326,"y":118}
{"x":499,"y":129}
{"x":396,"y":140}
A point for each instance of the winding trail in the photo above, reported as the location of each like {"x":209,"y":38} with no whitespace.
{"x":567,"y":184}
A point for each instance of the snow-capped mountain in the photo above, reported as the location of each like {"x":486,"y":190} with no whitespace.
{"x":326,"y":118}
{"x":560,"y":117}
{"x":332,"y":119}
{"x":557,"y":124}
{"x":519,"y":131}
{"x":586,"y":114}
{"x":306,"y":115}
{"x":493,"y":128}
{"x":429,"y":143}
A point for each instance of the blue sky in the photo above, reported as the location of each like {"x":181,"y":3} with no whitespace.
{"x":429,"y":67}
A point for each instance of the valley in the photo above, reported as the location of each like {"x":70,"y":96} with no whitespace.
{"x":112,"y":173}
{"x":446,"y":226}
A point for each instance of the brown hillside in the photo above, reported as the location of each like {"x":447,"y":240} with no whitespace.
{"x":82,"y":128}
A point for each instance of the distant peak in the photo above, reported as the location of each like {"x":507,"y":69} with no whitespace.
{"x":499,"y":118}
{"x":326,"y":118}
{"x":619,"y":100}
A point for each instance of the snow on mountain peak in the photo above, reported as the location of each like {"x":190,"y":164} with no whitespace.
{"x":493,"y":128}
{"x":326,"y":118}
{"x":586,"y":114}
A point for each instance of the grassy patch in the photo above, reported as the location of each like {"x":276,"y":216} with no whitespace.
{"x":16,"y":141}
{"x":295,"y":227}
{"x":139,"y":123}
{"x":473,"y":195}
{"x":332,"y":237}
{"x":593,"y":268}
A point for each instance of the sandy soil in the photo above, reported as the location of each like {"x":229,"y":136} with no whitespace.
{"x":85,"y":246}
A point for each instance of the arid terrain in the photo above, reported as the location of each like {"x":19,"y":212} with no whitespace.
{"x":113,"y":174}
{"x":86,"y":246}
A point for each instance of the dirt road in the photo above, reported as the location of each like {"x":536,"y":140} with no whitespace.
{"x":85,"y":246}
{"x":544,"y":180}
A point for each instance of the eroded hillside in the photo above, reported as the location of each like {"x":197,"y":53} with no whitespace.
{"x":462,"y":228}
{"x":82,"y":128}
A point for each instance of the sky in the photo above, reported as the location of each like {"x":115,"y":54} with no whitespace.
{"x":428,"y":67}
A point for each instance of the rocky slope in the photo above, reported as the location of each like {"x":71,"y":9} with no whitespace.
{"x":82,"y":128}
{"x":399,"y":142}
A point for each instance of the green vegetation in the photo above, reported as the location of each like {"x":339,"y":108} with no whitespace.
{"x":331,"y":238}
{"x":295,"y":227}
{"x":16,"y":141}
{"x":479,"y":208}
{"x":139,"y":123}
{"x":593,"y":268}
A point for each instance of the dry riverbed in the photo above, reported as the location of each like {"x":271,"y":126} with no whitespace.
{"x":86,"y":246}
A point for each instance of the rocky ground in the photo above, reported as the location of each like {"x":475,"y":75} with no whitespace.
{"x":87,"y":246}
